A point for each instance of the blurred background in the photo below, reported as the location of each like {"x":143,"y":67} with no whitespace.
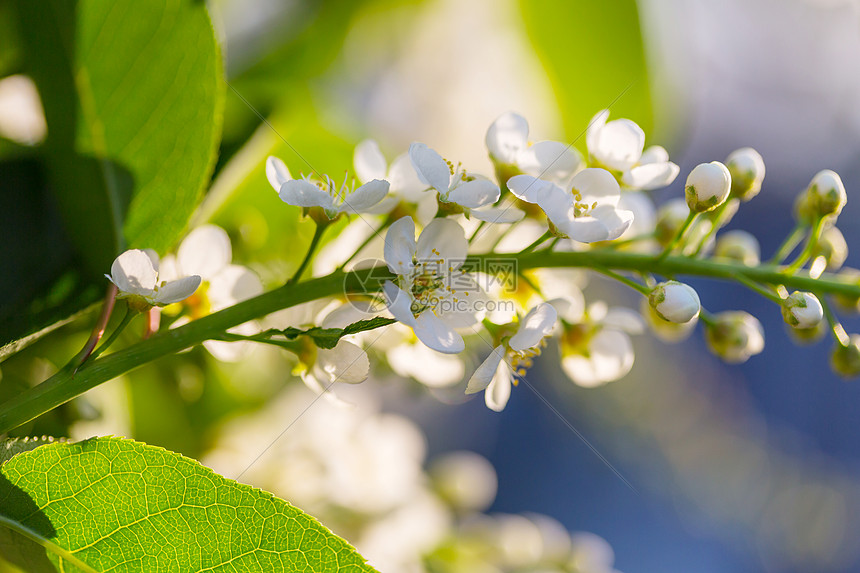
{"x":725,"y":468}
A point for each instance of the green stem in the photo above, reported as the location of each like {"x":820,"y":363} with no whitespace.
{"x":718,"y":221}
{"x":129,"y":314}
{"x":836,"y":327}
{"x":537,"y":242}
{"x":315,"y":241}
{"x":811,"y":243}
{"x":756,"y":287}
{"x":707,"y":318}
{"x":788,"y":245}
{"x":622,"y":279}
{"x":682,"y":230}
{"x":477,"y":230}
{"x":65,"y":385}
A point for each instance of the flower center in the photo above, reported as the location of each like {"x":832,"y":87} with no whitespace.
{"x":429,"y":282}
{"x":580,"y":207}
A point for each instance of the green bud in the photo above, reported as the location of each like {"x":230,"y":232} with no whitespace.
{"x":747,"y":169}
{"x":738,"y":246}
{"x":735,"y":336}
{"x":802,"y":310}
{"x":845,"y":360}
{"x":708,"y":186}
{"x":832,"y":246}
{"x":845,"y":302}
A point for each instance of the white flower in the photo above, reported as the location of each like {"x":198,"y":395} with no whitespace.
{"x":135,"y":275}
{"x":595,"y":346}
{"x":325,"y":194}
{"x":512,"y":356}
{"x":370,"y":164}
{"x":586,"y":213}
{"x":827,"y":193}
{"x":618,"y":146}
{"x":675,"y":302}
{"x":735,"y":336}
{"x":508,"y":144}
{"x":747,"y":169}
{"x":457,"y":189}
{"x":802,"y":310}
{"x":346,"y":362}
{"x":432,"y":293}
{"x":708,"y":186}
{"x":206,"y":252}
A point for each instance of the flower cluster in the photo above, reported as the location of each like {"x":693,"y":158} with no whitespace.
{"x":472,"y":269}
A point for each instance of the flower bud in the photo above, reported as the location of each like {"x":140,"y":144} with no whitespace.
{"x":708,"y":186}
{"x":825,"y":197}
{"x":662,"y":328}
{"x":802,"y":310}
{"x":808,"y":335}
{"x":671,"y":216}
{"x":465,"y":480}
{"x":845,"y":302}
{"x":735,"y":336}
{"x":845,"y":360}
{"x":832,"y":246}
{"x":738,"y":246}
{"x":747,"y":169}
{"x":675,"y":301}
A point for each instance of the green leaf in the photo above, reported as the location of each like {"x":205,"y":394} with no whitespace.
{"x":329,"y":337}
{"x":119,"y":505}
{"x":133,"y":95}
{"x":593,"y":54}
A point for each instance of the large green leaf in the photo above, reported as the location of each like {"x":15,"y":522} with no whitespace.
{"x":133,"y":94}
{"x":119,"y":505}
{"x":593,"y":54}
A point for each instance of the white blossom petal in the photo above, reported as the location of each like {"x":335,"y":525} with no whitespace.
{"x":233,"y":284}
{"x":404,"y":180}
{"x":433,"y":332}
{"x":430,"y":167}
{"x":303,"y":193}
{"x":277,"y":173}
{"x":368,"y":161}
{"x":431,"y":368}
{"x":528,"y":188}
{"x":365,"y":196}
{"x":399,"y":304}
{"x":205,"y":251}
{"x":447,"y":238}
{"x":610,"y":358}
{"x":132,"y":272}
{"x":475,"y":193}
{"x":624,"y":319}
{"x":345,"y":363}
{"x":550,"y":160}
{"x":484,"y":373}
{"x":506,"y":137}
{"x":596,"y":185}
{"x":177,"y":290}
{"x":233,"y":351}
{"x":651,"y":175}
{"x":400,"y":246}
{"x":499,"y":391}
{"x":616,"y":144}
{"x":605,"y":223}
{"x":537,"y":324}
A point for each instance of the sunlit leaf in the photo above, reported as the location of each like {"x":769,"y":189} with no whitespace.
{"x":110,"y":504}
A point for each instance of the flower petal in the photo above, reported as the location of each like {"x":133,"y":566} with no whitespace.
{"x":430,"y":167}
{"x":365,"y":196}
{"x":624,"y":319}
{"x":610,"y":358}
{"x":205,"y":251}
{"x":433,"y":332}
{"x":132,"y":272}
{"x":537,"y":324}
{"x":447,"y":239}
{"x":277,"y":173}
{"x":499,"y":391}
{"x":368,"y":161}
{"x":177,"y":290}
{"x":404,"y":180}
{"x":399,"y":304}
{"x":475,"y":193}
{"x":345,"y":363}
{"x":233,"y":284}
{"x":592,"y":134}
{"x":302,"y":193}
{"x":498,"y":215}
{"x":527,"y":187}
{"x":506,"y":137}
{"x":618,"y":144}
{"x":651,"y":175}
{"x":431,"y":368}
{"x":484,"y":373}
{"x":604,"y":224}
{"x":596,"y":185}
{"x":551,"y":160}
{"x":400,"y":246}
